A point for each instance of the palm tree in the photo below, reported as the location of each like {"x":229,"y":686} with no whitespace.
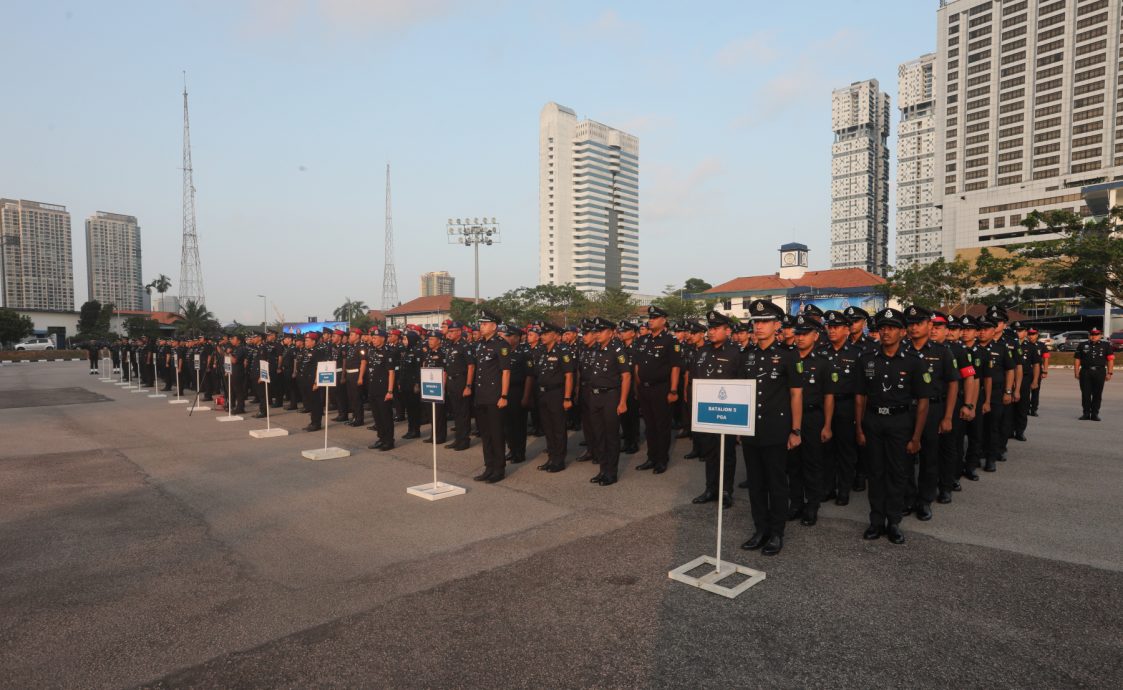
{"x":350,"y":310}
{"x":161,"y":284}
{"x":195,"y":318}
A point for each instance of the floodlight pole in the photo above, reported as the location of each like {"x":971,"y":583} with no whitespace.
{"x":473,"y":232}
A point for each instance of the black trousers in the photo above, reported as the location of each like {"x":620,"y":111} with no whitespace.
{"x":922,"y":489}
{"x":603,"y":432}
{"x":629,"y":422}
{"x":1092,"y":388}
{"x":709,"y":448}
{"x":888,"y":462}
{"x":411,"y":403}
{"x":461,"y":410}
{"x":490,"y":420}
{"x":551,"y":422}
{"x":805,"y":462}
{"x":840,"y":455}
{"x":355,"y":399}
{"x":994,"y":430}
{"x":383,"y":412}
{"x":974,"y":434}
{"x":657,"y":422}
{"x":514,"y":424}
{"x":1035,"y":396}
{"x":296,"y":390}
{"x":768,"y":485}
{"x":1021,"y":408}
{"x":237,"y":392}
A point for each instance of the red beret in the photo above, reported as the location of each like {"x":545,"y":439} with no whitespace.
{"x":339,"y":331}
{"x":396,"y":331}
{"x":312,"y":334}
{"x":356,"y":330}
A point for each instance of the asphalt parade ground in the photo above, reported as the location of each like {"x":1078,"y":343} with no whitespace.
{"x":141,"y":546}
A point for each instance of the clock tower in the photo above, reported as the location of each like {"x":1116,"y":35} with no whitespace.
{"x":793,"y":260}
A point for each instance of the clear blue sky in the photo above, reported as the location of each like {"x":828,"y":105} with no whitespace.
{"x":297,"y":106}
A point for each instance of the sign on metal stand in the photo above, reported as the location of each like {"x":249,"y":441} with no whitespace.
{"x":105,"y":368}
{"x":326,"y":379}
{"x":228,"y":366}
{"x":179,"y":400}
{"x":198,"y":386}
{"x":135,"y":373}
{"x":721,"y":406}
{"x":433,"y":391}
{"x":268,"y":431}
{"x":124,"y":362}
{"x":155,"y":381}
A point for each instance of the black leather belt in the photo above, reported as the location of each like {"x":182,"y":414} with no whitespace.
{"x":813,"y":408}
{"x":649,"y":384}
{"x":844,"y":396}
{"x":940,"y":398}
{"x":598,"y":391}
{"x":889,"y":410}
{"x":547,"y":389}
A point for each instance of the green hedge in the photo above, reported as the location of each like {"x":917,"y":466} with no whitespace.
{"x":41,"y":355}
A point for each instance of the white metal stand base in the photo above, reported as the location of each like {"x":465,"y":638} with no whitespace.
{"x":435,"y":492}
{"x":269,"y":433}
{"x":157,"y":395}
{"x":711,"y":581}
{"x":137,"y":390}
{"x":199,"y":408}
{"x":326,"y":453}
{"x":179,"y":401}
{"x":228,"y":418}
{"x":122,"y":383}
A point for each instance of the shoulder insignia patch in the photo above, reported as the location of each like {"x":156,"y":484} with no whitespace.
{"x":799,"y":367}
{"x":834,"y":376}
{"x":620,"y":359}
{"x":503,"y":351}
{"x":565,"y":358}
{"x":927,"y":377}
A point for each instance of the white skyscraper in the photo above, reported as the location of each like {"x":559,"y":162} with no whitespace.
{"x":588,"y":182}
{"x":113,"y":260}
{"x":860,"y":178}
{"x":919,"y":235}
{"x":36,"y":263}
{"x":1028,"y":111}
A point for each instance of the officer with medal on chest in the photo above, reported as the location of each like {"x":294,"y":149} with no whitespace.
{"x":354,"y":373}
{"x":514,"y":414}
{"x":892,"y":409}
{"x":492,"y":387}
{"x":381,"y":378}
{"x":779,"y":426}
{"x":1094,"y":363}
{"x":657,"y":362}
{"x":551,"y":369}
{"x":460,"y":369}
{"x":609,"y":380}
{"x":805,"y":461}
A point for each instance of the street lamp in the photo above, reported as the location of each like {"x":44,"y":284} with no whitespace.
{"x":262,"y":310}
{"x":472,"y":232}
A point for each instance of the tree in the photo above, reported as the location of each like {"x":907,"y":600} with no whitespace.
{"x":14,"y":326}
{"x":141,"y":326}
{"x":88,"y":317}
{"x":104,"y":319}
{"x":162,"y":284}
{"x":1088,"y":255}
{"x":196,"y":318}
{"x":694,"y":286}
{"x":350,"y":310}
{"x":363,"y":321}
{"x":613,"y":304}
{"x":680,"y":309}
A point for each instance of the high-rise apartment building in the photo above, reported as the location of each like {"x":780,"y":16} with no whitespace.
{"x":113,"y":270}
{"x":588,"y":191}
{"x":437,"y":283}
{"x":36,"y":264}
{"x":860,"y":178}
{"x":1028,"y":111}
{"x":919,"y":233}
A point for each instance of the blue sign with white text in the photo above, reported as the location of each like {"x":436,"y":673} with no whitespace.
{"x":432,"y":390}
{"x":326,"y":378}
{"x":731,"y":414}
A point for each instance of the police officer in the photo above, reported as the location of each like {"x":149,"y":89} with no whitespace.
{"x":805,"y":461}
{"x":552,"y":374}
{"x":490,"y":395}
{"x":1031,"y":375}
{"x":629,"y":421}
{"x":435,"y":358}
{"x":719,"y":358}
{"x":607,"y":373}
{"x":1094,"y":363}
{"x":313,"y":398}
{"x":237,"y":393}
{"x":858,"y":318}
{"x":999,"y":389}
{"x":657,"y":363}
{"x":695,"y":341}
{"x":840,"y":454}
{"x":514,"y":414}
{"x":892,"y":409}
{"x":354,"y":375}
{"x":460,"y":368}
{"x":381,"y":375}
{"x":947,"y":330}
{"x":409,"y":386}
{"x":779,"y":426}
{"x":940,"y":381}
{"x":1043,"y":355}
{"x":584,"y":374}
{"x":974,"y":429}
{"x":1007,"y":338}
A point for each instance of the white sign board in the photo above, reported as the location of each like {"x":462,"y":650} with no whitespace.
{"x":228,"y":364}
{"x":432,"y":384}
{"x":724,"y":406}
{"x":325,"y":373}
{"x":263,"y":370}
{"x":197,"y":360}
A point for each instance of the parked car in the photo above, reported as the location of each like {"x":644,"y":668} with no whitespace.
{"x":1046,"y":339}
{"x":1117,"y":341}
{"x":1067,"y":341}
{"x":36,"y":344}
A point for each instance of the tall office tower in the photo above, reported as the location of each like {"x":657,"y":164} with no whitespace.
{"x":588,"y":203}
{"x":860,"y":178}
{"x":1028,"y":106}
{"x":436,"y":283}
{"x":919,"y":234}
{"x":113,"y":260}
{"x":37,"y":265}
